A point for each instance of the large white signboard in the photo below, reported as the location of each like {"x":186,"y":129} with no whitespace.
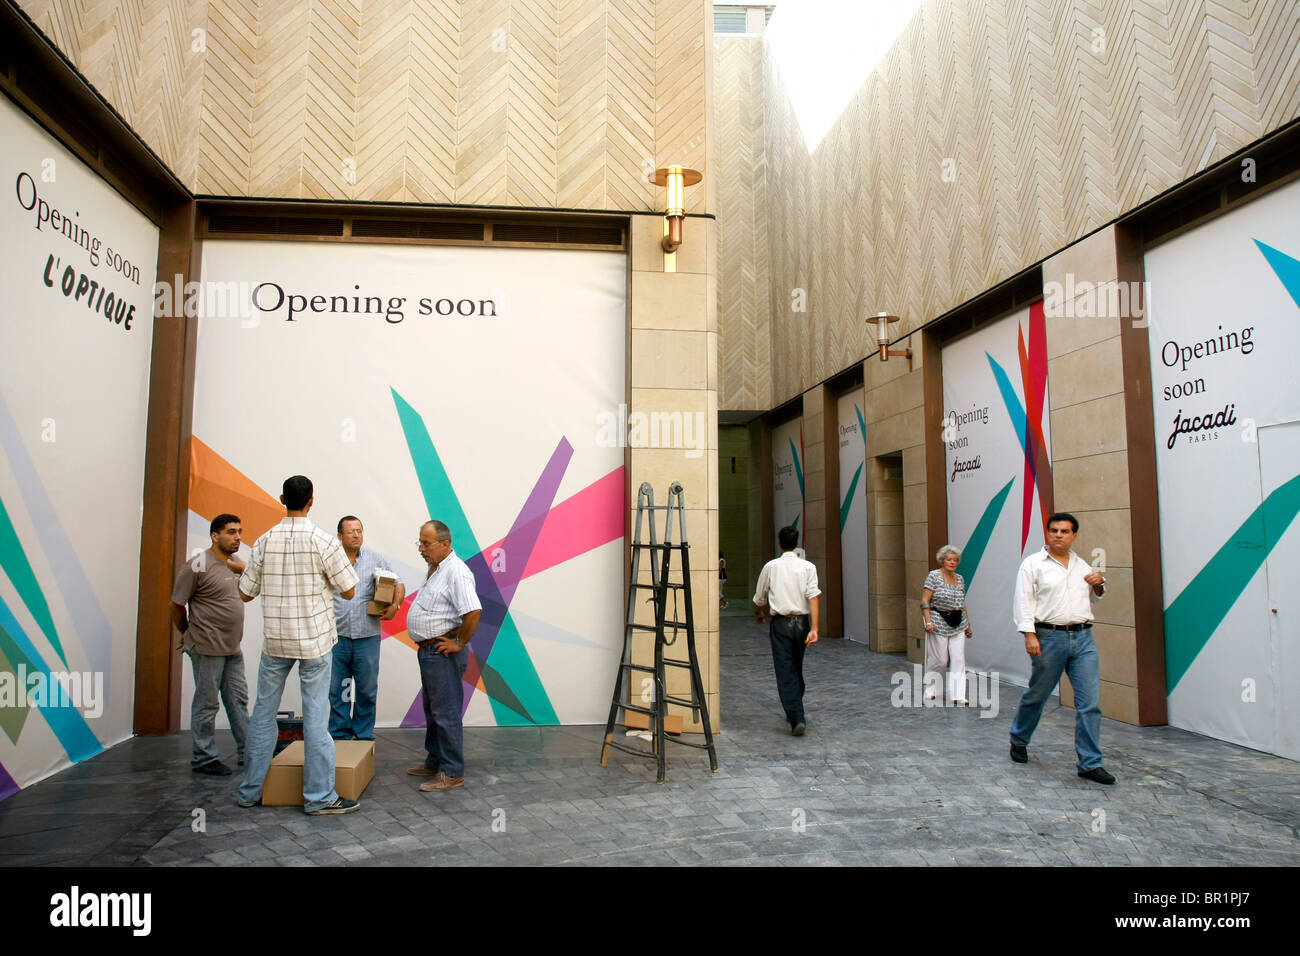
{"x":1224,"y":337}
{"x":78,"y":267}
{"x":998,"y":475}
{"x":481,"y":387}
{"x":853,"y":515}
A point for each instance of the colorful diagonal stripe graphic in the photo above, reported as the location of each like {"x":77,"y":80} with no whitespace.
{"x":979,"y":538}
{"x":1027,"y":420}
{"x":847,"y":504}
{"x":507,"y":656}
{"x":1203,"y":604}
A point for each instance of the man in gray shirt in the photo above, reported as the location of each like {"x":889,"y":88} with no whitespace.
{"x":213,"y":627}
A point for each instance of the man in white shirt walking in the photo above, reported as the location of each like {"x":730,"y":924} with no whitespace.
{"x":1053,"y":610}
{"x":787,"y":592}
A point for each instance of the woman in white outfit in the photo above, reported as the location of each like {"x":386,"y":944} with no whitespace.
{"x":947,"y":623}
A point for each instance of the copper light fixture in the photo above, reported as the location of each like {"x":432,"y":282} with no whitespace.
{"x":676,"y":178}
{"x":883,"y":321}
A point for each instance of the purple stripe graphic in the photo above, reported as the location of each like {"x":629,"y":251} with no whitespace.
{"x":93,"y":630}
{"x":8,"y":787}
{"x":497,"y":590}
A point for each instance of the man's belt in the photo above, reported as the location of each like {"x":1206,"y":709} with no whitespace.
{"x":1063,"y":627}
{"x":421,"y":644}
{"x":793,"y":616}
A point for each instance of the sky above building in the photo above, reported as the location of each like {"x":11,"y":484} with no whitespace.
{"x":826,"y":50}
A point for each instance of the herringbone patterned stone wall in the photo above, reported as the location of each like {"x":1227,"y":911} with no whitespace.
{"x":547,"y":103}
{"x":995,"y":133}
{"x":140,"y":56}
{"x":744,"y":321}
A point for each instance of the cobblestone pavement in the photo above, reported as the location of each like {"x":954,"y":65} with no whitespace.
{"x":870,"y":783}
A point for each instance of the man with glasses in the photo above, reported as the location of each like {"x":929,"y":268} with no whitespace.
{"x":354,"y":675}
{"x":441,"y":620}
{"x":1053,"y":610}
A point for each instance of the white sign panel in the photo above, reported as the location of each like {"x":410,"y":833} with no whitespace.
{"x":79,"y":264}
{"x":1224,"y":336}
{"x":998,"y":475}
{"x":787,"y":480}
{"x":853,"y":515}
{"x":482,"y":387}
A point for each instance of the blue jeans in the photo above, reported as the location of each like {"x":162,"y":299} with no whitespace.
{"x":1074,"y":653}
{"x":356,"y":659}
{"x":217,"y":679}
{"x":318,"y":767}
{"x":444,"y":695}
{"x":787,"y":635}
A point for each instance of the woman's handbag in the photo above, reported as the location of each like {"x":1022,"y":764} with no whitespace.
{"x":951,"y":618}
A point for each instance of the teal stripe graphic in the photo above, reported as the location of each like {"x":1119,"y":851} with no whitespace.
{"x":847,"y":504}
{"x":1198,"y":611}
{"x":798,"y":466}
{"x":1287,"y":269}
{"x":509,"y":657}
{"x":979,"y":538}
{"x":14,"y":561}
{"x":1015,"y":410}
{"x":68,"y":724}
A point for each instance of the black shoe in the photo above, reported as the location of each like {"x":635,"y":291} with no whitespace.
{"x":241,"y":761}
{"x":341,"y":805}
{"x":798,"y":729}
{"x":1098,"y":775}
{"x":1019,"y":754}
{"x":255,"y":803}
{"x":213,"y":768}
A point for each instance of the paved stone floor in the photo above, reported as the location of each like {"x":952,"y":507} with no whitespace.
{"x":870,"y":784}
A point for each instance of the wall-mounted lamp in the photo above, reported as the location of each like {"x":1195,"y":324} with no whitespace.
{"x":676,"y":178}
{"x":883,"y":321}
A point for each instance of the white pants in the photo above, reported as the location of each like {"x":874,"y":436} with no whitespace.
{"x":950,"y":653}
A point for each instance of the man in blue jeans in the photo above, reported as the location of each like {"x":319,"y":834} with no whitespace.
{"x":207,"y":610}
{"x":1053,"y":610}
{"x":787,"y":593}
{"x":443,"y":616}
{"x":293,"y":567}
{"x":354,"y":677}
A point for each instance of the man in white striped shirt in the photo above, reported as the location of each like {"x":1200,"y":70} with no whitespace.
{"x":1053,"y":610}
{"x":295,"y":567}
{"x":442,"y":618}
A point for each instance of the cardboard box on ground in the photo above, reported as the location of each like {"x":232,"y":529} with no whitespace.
{"x":354,"y":768}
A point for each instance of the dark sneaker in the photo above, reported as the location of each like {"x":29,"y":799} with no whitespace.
{"x":798,"y":729}
{"x":1019,"y":754}
{"x":250,"y":803}
{"x":1098,"y":775}
{"x":213,"y":768}
{"x":341,"y":805}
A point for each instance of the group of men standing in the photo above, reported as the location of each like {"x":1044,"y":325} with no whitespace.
{"x":295,"y":567}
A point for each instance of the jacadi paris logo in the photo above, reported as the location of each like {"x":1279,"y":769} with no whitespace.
{"x":1193,"y":362}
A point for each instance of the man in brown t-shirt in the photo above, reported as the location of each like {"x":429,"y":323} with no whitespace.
{"x":213,"y":628}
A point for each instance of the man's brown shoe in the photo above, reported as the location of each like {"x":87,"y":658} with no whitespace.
{"x":422,"y":771}
{"x":442,"y":782}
